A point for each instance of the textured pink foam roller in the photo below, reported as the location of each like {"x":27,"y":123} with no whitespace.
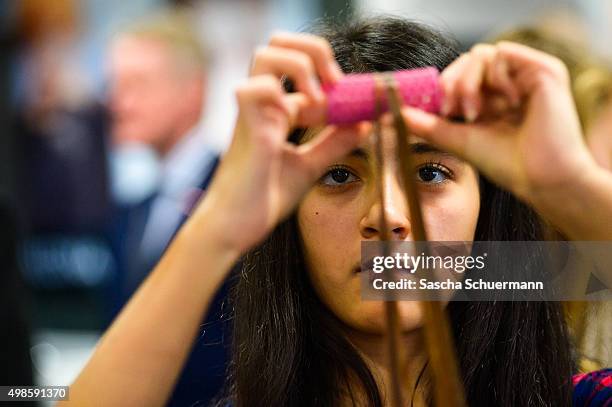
{"x":353,"y":98}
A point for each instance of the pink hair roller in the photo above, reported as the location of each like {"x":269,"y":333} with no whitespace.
{"x":352,"y":99}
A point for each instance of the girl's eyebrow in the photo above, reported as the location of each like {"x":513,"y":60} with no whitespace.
{"x":360,"y":153}
{"x":415,"y":148}
{"x":425,"y":148}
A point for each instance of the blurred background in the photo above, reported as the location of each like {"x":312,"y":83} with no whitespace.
{"x":113,"y":116}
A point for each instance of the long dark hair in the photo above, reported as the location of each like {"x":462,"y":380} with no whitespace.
{"x":289,"y":349}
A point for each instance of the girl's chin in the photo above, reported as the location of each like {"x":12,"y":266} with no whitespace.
{"x":370,"y":317}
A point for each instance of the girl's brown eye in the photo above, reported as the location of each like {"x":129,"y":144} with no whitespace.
{"x":338,"y":177}
{"x":432,"y":174}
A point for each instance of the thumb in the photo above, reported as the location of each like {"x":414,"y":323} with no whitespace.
{"x":456,"y":138}
{"x":333,"y":143}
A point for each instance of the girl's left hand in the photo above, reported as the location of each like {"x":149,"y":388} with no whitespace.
{"x":522,"y":128}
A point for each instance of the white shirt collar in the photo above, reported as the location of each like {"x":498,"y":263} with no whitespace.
{"x":185,"y":166}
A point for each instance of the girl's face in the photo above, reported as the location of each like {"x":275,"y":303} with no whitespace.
{"x":344,"y":207}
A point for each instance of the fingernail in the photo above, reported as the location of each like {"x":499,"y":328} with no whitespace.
{"x":470,"y":111}
{"x":337,"y":72}
{"x":316,"y":89}
{"x":417,"y":116}
{"x":445,"y":108}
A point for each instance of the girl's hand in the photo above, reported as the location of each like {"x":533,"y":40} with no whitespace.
{"x":522,"y":128}
{"x":263,"y":176}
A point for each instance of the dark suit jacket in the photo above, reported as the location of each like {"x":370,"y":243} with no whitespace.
{"x":203,"y":375}
{"x":15,"y":362}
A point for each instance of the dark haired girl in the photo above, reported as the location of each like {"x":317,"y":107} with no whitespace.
{"x":299,"y":209}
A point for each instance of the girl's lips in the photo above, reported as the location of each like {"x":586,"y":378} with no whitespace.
{"x":368,"y":264}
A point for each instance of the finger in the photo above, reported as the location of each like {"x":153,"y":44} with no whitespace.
{"x":532,"y":65}
{"x":314,"y":46}
{"x":266,"y":89}
{"x":448,"y":79}
{"x":303,"y":113}
{"x":261,"y":103}
{"x":471,"y":79}
{"x":261,"y":89}
{"x":297,"y":65}
{"x":497,"y":106}
{"x":499,"y":78}
{"x":475,"y":82}
{"x":452,"y":137}
{"x":330,"y":145}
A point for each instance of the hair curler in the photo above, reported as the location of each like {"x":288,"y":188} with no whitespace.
{"x":353,"y":98}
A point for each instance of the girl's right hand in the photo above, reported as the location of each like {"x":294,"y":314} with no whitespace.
{"x":263,"y":176}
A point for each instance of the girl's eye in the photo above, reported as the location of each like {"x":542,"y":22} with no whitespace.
{"x":337,"y":177}
{"x":433,"y":173}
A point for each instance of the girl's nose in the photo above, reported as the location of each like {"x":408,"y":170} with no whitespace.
{"x":395,"y":209}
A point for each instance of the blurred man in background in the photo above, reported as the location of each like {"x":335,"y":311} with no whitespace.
{"x":157,"y":92}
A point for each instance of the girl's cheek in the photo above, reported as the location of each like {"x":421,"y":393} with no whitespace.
{"x":452,"y":216}
{"x":327,"y":221}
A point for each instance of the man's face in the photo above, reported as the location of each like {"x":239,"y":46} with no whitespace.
{"x":146,"y":92}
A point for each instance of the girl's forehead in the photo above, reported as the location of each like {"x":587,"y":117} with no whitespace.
{"x":417,"y":145}
{"x":387,"y":130}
